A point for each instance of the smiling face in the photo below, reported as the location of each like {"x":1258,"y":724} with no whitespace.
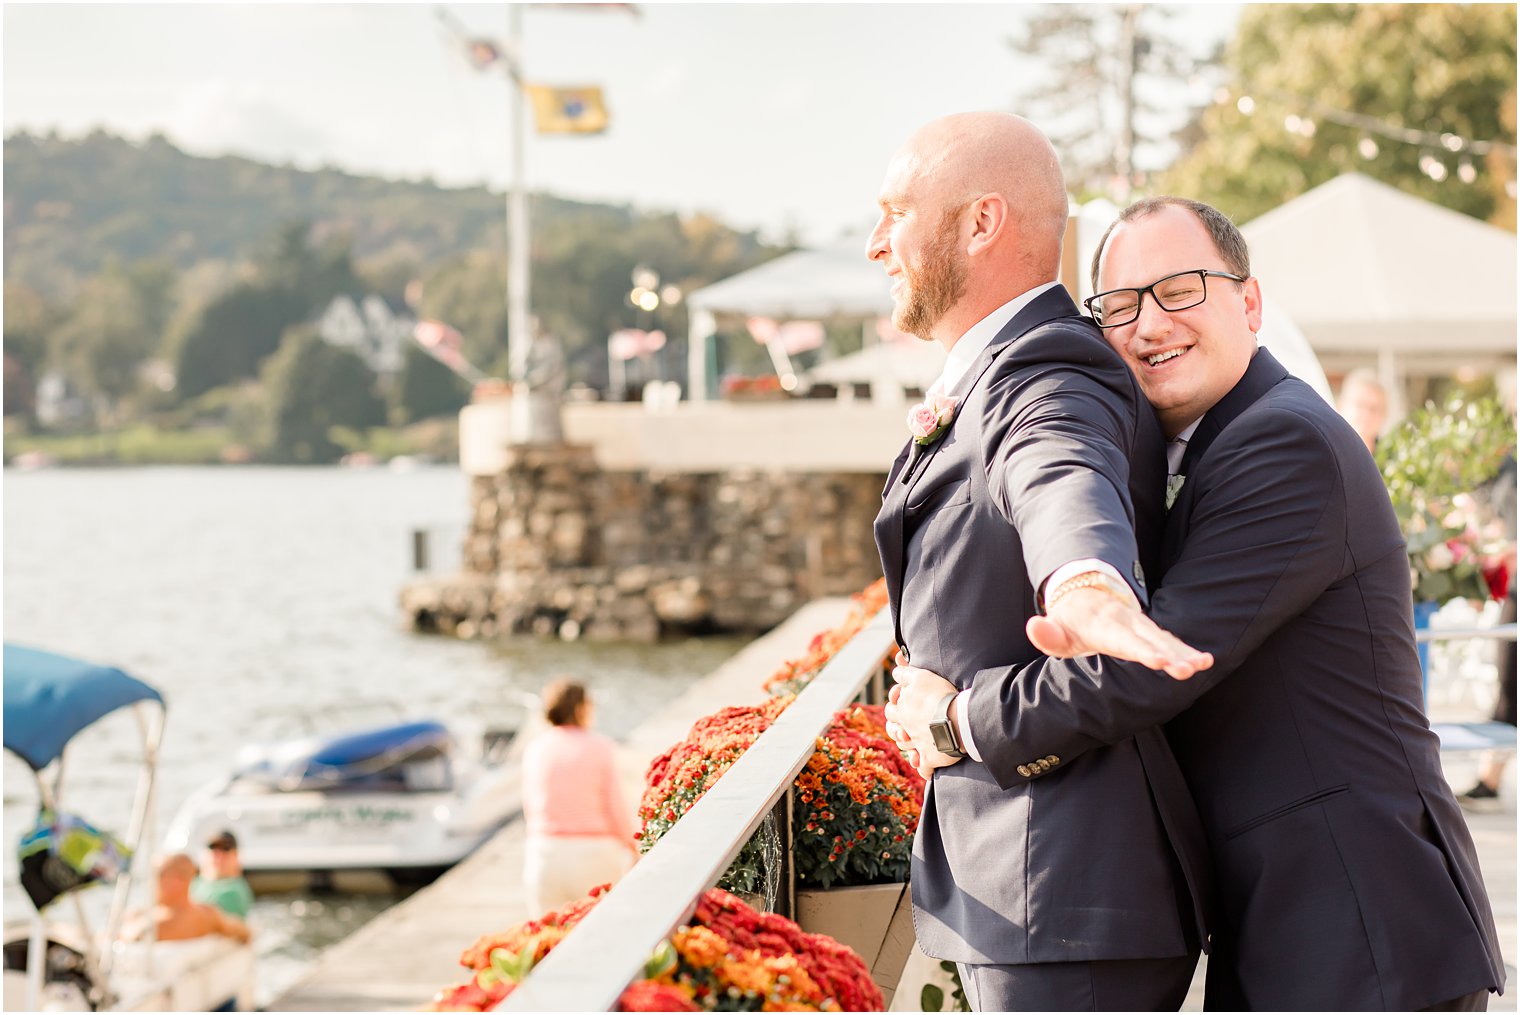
{"x":1186,"y":360}
{"x":918,"y":241}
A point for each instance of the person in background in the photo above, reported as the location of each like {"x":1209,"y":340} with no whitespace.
{"x":176,"y":916}
{"x":1501,"y":499}
{"x":221,"y":882}
{"x":580,"y":828}
{"x":1363,"y":403}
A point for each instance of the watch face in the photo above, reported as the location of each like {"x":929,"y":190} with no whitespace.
{"x":944,"y":740}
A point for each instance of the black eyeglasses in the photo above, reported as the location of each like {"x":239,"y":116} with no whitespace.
{"x":1175,"y":292}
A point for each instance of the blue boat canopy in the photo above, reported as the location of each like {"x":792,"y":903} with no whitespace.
{"x":49,"y":698}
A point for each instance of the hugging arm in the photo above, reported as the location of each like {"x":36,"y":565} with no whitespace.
{"x":1266,"y":538}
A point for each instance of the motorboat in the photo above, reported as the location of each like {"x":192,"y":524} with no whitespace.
{"x":403,"y":799}
{"x":54,"y":963}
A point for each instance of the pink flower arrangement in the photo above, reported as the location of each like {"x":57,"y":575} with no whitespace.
{"x":929,"y":418}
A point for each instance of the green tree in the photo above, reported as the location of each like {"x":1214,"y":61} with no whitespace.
{"x":294,"y":278}
{"x":1113,"y":92}
{"x":1309,"y":79}
{"x":469,"y":293}
{"x":312,"y":389}
{"x":427,"y":388}
{"x":234,"y":334}
{"x":28,"y":320}
{"x":116,"y":323}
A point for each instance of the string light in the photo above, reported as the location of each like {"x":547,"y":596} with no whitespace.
{"x":1433,"y":167}
{"x":1446,"y":140}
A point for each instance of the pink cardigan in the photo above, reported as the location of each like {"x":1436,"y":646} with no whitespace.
{"x":570,"y":786}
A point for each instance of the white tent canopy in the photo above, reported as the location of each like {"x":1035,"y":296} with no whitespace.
{"x":819,"y":284}
{"x":888,"y":367}
{"x":1364,"y":268}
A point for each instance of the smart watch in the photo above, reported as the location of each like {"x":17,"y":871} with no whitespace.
{"x":946,"y":741}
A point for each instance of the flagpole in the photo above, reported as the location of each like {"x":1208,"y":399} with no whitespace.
{"x":519,"y":326}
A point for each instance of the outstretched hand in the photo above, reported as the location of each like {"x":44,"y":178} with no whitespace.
{"x":1093,"y":622}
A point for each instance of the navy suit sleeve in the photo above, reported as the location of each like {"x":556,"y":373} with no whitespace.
{"x":1056,"y":446}
{"x":1266,"y":537}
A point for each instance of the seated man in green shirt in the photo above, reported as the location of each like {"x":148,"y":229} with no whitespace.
{"x":221,"y":882}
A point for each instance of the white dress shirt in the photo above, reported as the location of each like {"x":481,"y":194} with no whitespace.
{"x":970,"y":345}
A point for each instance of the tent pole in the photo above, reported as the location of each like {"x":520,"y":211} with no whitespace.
{"x":701,"y":326}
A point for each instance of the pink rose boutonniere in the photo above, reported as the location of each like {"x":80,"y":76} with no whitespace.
{"x":928,"y":420}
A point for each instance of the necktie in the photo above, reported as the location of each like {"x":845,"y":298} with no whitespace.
{"x":1175,"y":449}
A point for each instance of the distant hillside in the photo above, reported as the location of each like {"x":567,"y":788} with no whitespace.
{"x":70,"y":205}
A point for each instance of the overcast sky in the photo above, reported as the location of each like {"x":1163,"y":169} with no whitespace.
{"x":772,"y":116}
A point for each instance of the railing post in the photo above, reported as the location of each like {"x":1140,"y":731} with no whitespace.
{"x":786,"y":890}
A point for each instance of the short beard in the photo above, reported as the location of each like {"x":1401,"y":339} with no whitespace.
{"x":935,"y":288}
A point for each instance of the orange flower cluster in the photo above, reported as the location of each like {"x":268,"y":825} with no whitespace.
{"x":795,"y":674}
{"x":855,"y":805}
{"x":729,"y":958}
{"x":677,"y":779}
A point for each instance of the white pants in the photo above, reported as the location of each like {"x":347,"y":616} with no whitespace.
{"x":558,"y":870}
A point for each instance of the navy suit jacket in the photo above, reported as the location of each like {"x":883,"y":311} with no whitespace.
{"x":1053,"y":455}
{"x":1345,"y":875}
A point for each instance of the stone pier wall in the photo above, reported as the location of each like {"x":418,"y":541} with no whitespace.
{"x":558,"y":546}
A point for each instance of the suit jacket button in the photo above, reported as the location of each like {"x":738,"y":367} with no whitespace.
{"x":1139,"y":575}
{"x":1052,"y":759}
{"x":1024,"y":771}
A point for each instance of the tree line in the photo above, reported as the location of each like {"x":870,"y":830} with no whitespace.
{"x":123,"y":276}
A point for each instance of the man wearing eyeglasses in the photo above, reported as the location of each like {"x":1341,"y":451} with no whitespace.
{"x":1345,"y":876}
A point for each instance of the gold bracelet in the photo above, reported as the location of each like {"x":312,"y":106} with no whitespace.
{"x":1092,"y":580}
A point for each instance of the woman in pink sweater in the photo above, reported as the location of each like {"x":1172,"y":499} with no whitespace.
{"x":580,"y":830}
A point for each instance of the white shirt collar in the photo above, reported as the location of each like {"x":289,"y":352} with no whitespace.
{"x":979,"y":336}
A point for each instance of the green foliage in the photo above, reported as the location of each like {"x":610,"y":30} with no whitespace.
{"x":115,"y":324}
{"x":508,"y":966}
{"x":426,"y":388}
{"x":139,"y":444}
{"x":70,"y":204}
{"x":295,"y":278}
{"x":118,"y":253}
{"x":1430,"y":67}
{"x":1432,"y":463}
{"x":234,"y":336}
{"x":312,"y":389}
{"x":28,"y":321}
{"x":957,"y":996}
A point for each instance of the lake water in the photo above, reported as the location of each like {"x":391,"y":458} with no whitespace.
{"x":248,"y":596}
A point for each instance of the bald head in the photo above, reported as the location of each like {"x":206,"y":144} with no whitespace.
{"x":175,"y":872}
{"x":177,"y":865}
{"x":968,"y":155}
{"x":973,"y":210}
